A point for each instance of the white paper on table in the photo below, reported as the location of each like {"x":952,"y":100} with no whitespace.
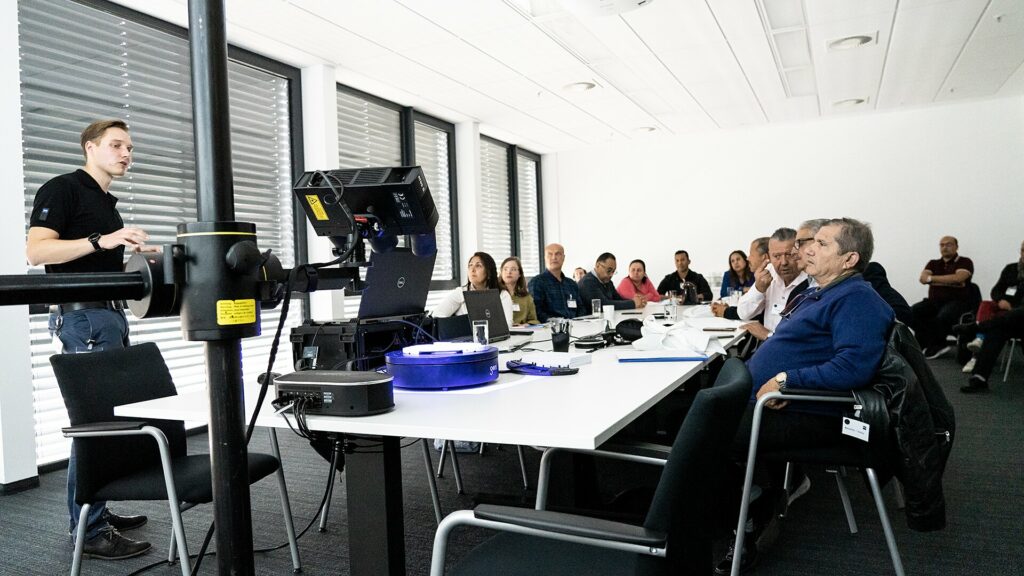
{"x":712,"y":322}
{"x":678,"y":337}
{"x":698,"y":312}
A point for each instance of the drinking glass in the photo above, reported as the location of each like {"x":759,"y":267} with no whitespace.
{"x":595,"y":307}
{"x":480,"y":332}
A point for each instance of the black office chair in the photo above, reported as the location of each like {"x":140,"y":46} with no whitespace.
{"x":675,"y":532}
{"x":115,"y":459}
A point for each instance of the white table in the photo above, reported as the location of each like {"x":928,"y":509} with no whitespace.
{"x":579,"y":411}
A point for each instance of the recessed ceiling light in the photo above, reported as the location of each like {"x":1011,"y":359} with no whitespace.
{"x":849,"y":102}
{"x":579,"y":86}
{"x":850,"y":42}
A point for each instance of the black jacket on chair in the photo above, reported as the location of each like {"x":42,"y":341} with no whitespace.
{"x":918,"y":424}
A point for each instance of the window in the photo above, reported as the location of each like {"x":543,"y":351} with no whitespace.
{"x":435,"y":142}
{"x":510,"y":204}
{"x":528,"y":212}
{"x":371,"y":132}
{"x":80,"y":63}
{"x":495,"y":200}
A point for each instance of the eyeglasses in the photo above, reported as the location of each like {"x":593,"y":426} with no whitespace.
{"x":606,"y":267}
{"x":801,"y":241}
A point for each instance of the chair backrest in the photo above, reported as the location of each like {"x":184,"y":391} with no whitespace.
{"x":701,"y":447}
{"x":92,"y":384}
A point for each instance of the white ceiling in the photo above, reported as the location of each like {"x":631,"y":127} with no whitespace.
{"x":676,"y":66}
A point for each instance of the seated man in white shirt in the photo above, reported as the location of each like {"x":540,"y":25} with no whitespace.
{"x":775,"y":281}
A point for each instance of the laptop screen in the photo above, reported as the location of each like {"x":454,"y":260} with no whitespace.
{"x":396,"y":284}
{"x":486,"y":305}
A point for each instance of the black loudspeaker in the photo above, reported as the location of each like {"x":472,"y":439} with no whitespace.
{"x":629,"y":330}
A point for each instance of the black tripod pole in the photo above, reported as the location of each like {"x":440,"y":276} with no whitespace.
{"x":215,"y":198}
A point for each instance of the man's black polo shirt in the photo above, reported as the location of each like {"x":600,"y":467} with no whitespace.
{"x":74,"y":206}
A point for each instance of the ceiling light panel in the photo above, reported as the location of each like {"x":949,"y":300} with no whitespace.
{"x":792,"y":49}
{"x":784,"y":13}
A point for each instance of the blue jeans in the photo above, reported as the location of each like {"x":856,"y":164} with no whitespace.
{"x":88,"y":330}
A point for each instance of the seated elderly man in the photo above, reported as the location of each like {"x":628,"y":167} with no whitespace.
{"x":555,"y":295}
{"x":831,"y":337}
{"x":775,"y":283}
{"x":949,"y":296}
{"x":597,"y":285}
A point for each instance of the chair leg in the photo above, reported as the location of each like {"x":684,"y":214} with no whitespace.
{"x":440,"y":461}
{"x":330,"y":489}
{"x":179,"y":536}
{"x":431,"y":480}
{"x":897,"y":489}
{"x":83,"y":520}
{"x":851,"y":521}
{"x":286,"y":507}
{"x":542,"y":478}
{"x":787,"y":479}
{"x":482,"y":444}
{"x":883,"y":516}
{"x":455,"y":467}
{"x":522,"y":468}
{"x":172,"y":549}
{"x":1009,"y":359}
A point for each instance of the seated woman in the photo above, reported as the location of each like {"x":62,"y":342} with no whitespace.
{"x":637,"y":282}
{"x":483,"y":275}
{"x":739,"y":276}
{"x":523,"y":309}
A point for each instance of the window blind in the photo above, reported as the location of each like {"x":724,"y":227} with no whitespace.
{"x":432,"y":156}
{"x":369,"y":134}
{"x":529,"y":215}
{"x":80,"y":64}
{"x":495,"y":201}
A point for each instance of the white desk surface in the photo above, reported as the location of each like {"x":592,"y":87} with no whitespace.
{"x":579,"y":411}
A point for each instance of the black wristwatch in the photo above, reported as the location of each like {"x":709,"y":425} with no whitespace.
{"x":95,"y":239}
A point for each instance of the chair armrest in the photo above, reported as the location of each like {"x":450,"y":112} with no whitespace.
{"x":642,"y":449}
{"x":571,"y":525}
{"x":93,"y":428}
{"x":848,"y":394}
{"x":643,"y":453}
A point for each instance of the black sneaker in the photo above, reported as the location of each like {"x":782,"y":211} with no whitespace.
{"x":748,"y":560}
{"x":974,"y":384}
{"x":111,"y":545}
{"x":123,"y":523}
{"x":936,"y":351}
{"x":965,"y":329}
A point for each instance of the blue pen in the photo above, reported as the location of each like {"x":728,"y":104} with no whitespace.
{"x":666,"y":359}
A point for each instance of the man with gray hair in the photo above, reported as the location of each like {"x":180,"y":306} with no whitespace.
{"x":775,"y":282}
{"x":831,"y":337}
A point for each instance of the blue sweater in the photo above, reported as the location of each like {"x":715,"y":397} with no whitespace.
{"x":833,"y":340}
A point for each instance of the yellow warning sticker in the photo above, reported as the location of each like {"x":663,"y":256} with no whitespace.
{"x":231,"y":312}
{"x":316,"y":206}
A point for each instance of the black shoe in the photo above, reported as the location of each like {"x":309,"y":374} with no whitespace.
{"x":123,"y":523}
{"x":748,"y":560}
{"x":967,"y":328}
{"x":936,"y":350}
{"x":111,"y":545}
{"x":974,"y":384}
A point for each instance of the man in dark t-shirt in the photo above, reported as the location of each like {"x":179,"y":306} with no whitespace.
{"x":675,"y":281}
{"x":948,"y":279}
{"x":75,"y":227}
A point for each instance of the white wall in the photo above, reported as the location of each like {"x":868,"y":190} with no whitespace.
{"x":914,"y":175}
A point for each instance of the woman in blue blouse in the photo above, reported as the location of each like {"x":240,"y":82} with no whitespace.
{"x":739,"y":276}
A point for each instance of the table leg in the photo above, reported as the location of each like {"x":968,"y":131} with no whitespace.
{"x":376,"y":526}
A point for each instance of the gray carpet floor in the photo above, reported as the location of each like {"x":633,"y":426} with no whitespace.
{"x":984,"y":486}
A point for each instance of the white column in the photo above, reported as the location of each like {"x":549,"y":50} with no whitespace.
{"x":320,"y":147}
{"x":17,"y":429}
{"x":467,"y":160}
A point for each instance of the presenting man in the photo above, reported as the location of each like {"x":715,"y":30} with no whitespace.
{"x":554,"y":294}
{"x":948,"y":298}
{"x":597,"y":285}
{"x":675,"y":280}
{"x":775,"y":283}
{"x":75,"y":227}
{"x":829,"y":338}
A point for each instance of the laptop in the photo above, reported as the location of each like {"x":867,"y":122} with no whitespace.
{"x":397,"y":283}
{"x":486,"y":305}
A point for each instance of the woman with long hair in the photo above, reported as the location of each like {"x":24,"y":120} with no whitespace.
{"x":637,"y":282}
{"x":523,"y":309}
{"x":483,"y":275}
{"x":739,"y":276}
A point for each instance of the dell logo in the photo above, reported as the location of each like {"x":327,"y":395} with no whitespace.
{"x":401,"y":282}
